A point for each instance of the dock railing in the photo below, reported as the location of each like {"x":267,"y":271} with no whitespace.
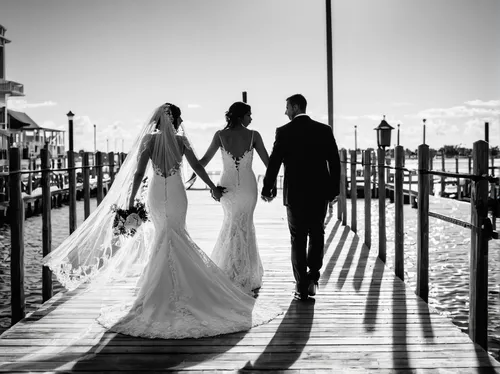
{"x":480,"y":225}
{"x":16,"y":212}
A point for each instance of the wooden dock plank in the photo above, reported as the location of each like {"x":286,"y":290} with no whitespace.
{"x":363,"y":319}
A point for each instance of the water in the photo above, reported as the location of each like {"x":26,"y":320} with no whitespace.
{"x":448,"y":259}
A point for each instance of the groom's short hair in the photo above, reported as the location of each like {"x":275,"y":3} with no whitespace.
{"x":299,"y":100}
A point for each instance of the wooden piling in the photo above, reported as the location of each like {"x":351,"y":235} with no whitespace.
{"x":98,"y":166}
{"x":399,"y":266}
{"x":368,"y":198}
{"x":16,"y":211}
{"x":343,"y":186}
{"x":47,"y":291}
{"x":382,"y":241}
{"x":443,"y":168}
{"x":111,"y":169}
{"x":478,"y":279}
{"x":354,"y":192}
{"x":86,"y":184}
{"x":423,"y":224}
{"x":72,"y":191}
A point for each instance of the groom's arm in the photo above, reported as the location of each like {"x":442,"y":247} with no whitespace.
{"x":273,"y":168}
{"x":333,"y":160}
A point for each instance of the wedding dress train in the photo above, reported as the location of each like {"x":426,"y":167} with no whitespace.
{"x":181,"y":292}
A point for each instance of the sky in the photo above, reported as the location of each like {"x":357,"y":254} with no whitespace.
{"x":111,"y":62}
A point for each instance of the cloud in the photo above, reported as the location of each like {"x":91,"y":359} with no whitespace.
{"x":193,"y":106}
{"x":486,"y":104}
{"x":23,"y":104}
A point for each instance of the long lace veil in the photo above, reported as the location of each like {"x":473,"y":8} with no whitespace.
{"x":92,"y":249}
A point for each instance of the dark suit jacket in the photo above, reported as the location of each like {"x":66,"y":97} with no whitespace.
{"x":311,"y":162}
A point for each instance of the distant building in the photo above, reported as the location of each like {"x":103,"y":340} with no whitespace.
{"x":18,"y":127}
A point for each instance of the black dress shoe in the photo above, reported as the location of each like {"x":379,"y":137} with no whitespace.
{"x":301,"y":296}
{"x":313,"y":288}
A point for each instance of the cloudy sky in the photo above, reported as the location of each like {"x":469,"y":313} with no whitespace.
{"x":112,"y":61}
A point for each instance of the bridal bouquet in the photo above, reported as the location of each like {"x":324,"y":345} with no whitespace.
{"x":127,"y":221}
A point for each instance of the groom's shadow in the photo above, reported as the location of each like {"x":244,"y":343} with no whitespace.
{"x":289,"y":341}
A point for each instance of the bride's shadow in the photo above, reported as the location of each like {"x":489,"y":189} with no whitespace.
{"x":122,"y":352}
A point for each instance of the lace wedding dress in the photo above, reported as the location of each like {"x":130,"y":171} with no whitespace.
{"x":181,"y":292}
{"x":236,"y":251}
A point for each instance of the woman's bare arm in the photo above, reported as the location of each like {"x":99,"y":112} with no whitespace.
{"x":261,"y":148}
{"x":212,"y":149}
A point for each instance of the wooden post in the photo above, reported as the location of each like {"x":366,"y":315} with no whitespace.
{"x":72,"y":191}
{"x":354,"y":192}
{"x":343,"y":187}
{"x":457,"y":170}
{"x":29,"y":186}
{"x":46,"y":223}
{"x":382,"y":241}
{"x":86,"y":184}
{"x":492,"y":189}
{"x":329,"y":62}
{"x":431,"y":177}
{"x":478,"y":279}
{"x":111,"y":171}
{"x":399,"y":266}
{"x":98,"y":166}
{"x":16,"y":210}
{"x":443,"y":168}
{"x":244,"y":96}
{"x":374,"y":173}
{"x":423,"y":224}
{"x":368,"y":199}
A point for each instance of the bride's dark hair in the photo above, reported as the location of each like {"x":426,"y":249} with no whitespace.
{"x":235,"y":112}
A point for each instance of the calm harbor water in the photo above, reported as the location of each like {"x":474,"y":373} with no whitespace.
{"x":448,"y":259}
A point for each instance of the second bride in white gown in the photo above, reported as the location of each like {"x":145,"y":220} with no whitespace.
{"x":180,"y":293}
{"x":236,"y":251}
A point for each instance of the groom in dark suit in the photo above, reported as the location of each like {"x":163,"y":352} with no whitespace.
{"x":309,"y":154}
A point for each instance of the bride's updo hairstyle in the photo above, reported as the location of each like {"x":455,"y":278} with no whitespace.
{"x":174,"y":109}
{"x":235,"y":113}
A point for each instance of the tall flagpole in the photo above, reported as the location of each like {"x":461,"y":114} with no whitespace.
{"x":329,"y":62}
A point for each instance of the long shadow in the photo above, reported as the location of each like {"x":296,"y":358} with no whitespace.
{"x":325,"y":277}
{"x":121,"y":352}
{"x":370,"y":315}
{"x":332,"y":234}
{"x":399,"y":323}
{"x":359,"y":274}
{"x":279,"y":354}
{"x":347,"y":263}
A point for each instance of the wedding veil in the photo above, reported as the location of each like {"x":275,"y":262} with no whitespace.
{"x":92,"y":249}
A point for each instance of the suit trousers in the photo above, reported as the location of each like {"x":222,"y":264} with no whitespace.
{"x":306,"y":220}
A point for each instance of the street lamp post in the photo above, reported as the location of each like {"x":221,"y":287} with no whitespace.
{"x":72,"y":175}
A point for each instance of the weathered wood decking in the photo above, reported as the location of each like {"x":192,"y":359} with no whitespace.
{"x":363,"y":319}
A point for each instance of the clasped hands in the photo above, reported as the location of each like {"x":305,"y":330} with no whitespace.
{"x":270,"y":198}
{"x":217,"y":192}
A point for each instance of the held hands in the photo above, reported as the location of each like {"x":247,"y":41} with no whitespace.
{"x":217,"y":192}
{"x":268,"y":199}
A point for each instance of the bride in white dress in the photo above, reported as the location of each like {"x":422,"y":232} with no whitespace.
{"x":180,"y":293}
{"x":236,"y":251}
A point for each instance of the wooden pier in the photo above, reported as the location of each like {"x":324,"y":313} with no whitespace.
{"x":364,"y":319}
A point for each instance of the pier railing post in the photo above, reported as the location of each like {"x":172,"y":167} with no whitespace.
{"x":86,"y":184}
{"x":72,"y":191}
{"x":443,"y":168}
{"x":343,"y":186}
{"x":423,"y":223}
{"x":382,"y":241}
{"x":46,"y":223}
{"x":354,"y":192}
{"x":368,"y":198}
{"x":374,"y":173}
{"x":111,"y":168}
{"x":457,"y":170}
{"x":16,"y":210}
{"x":478,"y":279}
{"x":98,"y":166}
{"x":399,"y":267}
